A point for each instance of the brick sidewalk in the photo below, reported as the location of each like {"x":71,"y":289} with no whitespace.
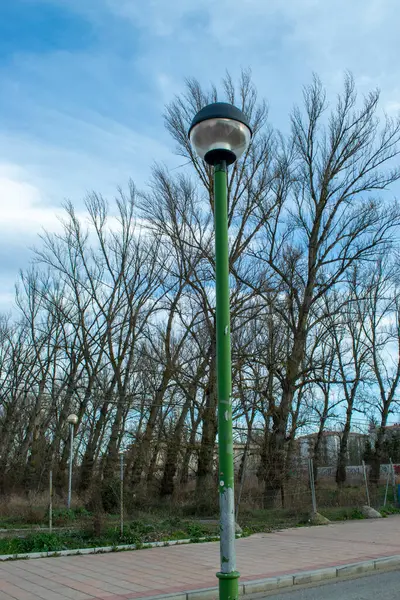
{"x":129,"y":575}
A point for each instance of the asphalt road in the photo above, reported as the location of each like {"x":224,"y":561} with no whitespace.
{"x":384,"y":586}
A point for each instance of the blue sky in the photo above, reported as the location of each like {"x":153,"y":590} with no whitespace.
{"x":83,"y":84}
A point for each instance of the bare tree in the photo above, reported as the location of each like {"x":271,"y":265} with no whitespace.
{"x":382,"y":331}
{"x":326,"y":222}
{"x":117,"y":317}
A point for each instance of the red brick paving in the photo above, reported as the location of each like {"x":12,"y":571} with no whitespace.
{"x":156,"y":571}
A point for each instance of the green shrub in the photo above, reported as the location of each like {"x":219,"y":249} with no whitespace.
{"x":389,"y":509}
{"x":172,"y":522}
{"x":195,"y":531}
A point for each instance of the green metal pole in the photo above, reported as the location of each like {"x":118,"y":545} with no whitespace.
{"x":228,"y":576}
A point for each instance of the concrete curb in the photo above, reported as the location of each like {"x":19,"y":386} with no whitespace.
{"x":285,"y":581}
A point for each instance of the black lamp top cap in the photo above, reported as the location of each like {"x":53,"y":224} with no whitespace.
{"x":219,"y":110}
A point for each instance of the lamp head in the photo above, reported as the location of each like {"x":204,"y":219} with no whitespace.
{"x":72,"y":419}
{"x":218,"y":132}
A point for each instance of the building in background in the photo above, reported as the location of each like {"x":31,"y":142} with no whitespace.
{"x":330,"y":445}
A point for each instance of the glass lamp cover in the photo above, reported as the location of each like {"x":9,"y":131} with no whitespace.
{"x":220,"y":134}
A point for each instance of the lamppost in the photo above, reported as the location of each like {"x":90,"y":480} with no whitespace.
{"x":72,"y":420}
{"x":121,"y":490}
{"x":219,"y":134}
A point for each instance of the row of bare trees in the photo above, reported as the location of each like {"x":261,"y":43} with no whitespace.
{"x":115,"y":317}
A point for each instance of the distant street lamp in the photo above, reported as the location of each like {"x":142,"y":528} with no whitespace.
{"x":121,"y":490}
{"x":72,"y":420}
{"x":220,"y":134}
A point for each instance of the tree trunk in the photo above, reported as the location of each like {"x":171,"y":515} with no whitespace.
{"x":275,"y":472}
{"x":142,"y":448}
{"x":111,"y":459}
{"x":152,"y":467}
{"x":376,"y":461}
{"x":189,"y":451}
{"x":317,"y":447}
{"x":342,"y":458}
{"x":209,"y":434}
{"x":171,"y":459}
{"x":87,"y":469}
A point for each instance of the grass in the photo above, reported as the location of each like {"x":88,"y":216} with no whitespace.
{"x":167,"y":522}
{"x":136,"y":532}
{"x":340,"y":513}
{"x":155,"y":529}
{"x":257,"y":521}
{"x":21,"y":516}
{"x":388,"y":510}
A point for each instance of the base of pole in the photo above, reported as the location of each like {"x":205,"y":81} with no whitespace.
{"x":229,"y":585}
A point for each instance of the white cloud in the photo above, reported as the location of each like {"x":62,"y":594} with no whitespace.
{"x":82,"y":155}
{"x":392,"y":107}
{"x":283,"y":42}
{"x":21,"y":206}
{"x":23,"y":216}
